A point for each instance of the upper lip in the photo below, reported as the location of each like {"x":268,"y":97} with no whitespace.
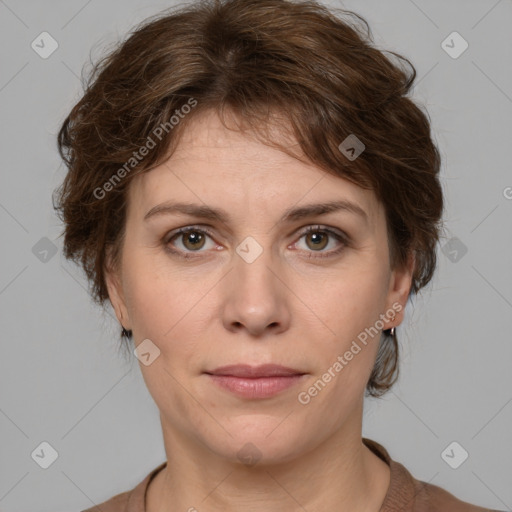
{"x":265,"y":370}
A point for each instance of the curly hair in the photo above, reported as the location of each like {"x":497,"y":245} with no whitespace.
{"x":318,"y":70}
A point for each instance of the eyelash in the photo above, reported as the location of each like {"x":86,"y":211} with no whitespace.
{"x":188,"y":255}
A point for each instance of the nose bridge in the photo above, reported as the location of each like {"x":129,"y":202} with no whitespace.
{"x":253,"y":263}
{"x":255,"y":298}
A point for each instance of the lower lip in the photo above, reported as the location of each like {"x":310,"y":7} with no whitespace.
{"x":262,"y":387}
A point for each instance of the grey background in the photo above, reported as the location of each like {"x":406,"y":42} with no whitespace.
{"x":62,"y":379}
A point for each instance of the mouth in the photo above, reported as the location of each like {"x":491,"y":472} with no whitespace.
{"x":255,"y":382}
{"x":255,"y":372}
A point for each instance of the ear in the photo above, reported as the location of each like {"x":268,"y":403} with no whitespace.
{"x":399,"y":287}
{"x":113,"y":280}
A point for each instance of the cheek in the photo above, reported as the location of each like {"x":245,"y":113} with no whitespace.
{"x":166,"y":307}
{"x":154,"y":298}
{"x":162,"y":310}
{"x":349,"y":303}
{"x":351,"y":300}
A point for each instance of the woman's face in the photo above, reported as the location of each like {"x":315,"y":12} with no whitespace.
{"x":253,"y":290}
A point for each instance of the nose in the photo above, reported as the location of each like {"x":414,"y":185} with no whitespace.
{"x":256,"y":297}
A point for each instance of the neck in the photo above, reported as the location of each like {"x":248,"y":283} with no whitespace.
{"x":339,"y":474}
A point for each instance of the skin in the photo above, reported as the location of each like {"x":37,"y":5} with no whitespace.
{"x":289,"y":306}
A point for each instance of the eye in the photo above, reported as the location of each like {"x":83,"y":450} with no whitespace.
{"x":317,"y":239}
{"x":192,"y":239}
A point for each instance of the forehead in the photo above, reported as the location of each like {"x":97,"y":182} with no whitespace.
{"x":214,"y":164}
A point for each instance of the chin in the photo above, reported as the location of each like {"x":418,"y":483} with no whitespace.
{"x":255,"y":442}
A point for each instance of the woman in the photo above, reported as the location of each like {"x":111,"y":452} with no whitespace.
{"x":251,"y":189}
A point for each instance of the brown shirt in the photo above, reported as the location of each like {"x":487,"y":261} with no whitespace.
{"x":405,"y":493}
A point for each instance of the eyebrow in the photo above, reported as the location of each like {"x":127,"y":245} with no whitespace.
{"x":290,"y":215}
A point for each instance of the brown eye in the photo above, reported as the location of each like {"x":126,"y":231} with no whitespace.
{"x":188,"y":240}
{"x":193,"y":240}
{"x":319,"y":240}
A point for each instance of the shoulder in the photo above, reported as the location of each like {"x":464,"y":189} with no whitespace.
{"x":431,"y":498}
{"x":128,"y":501}
{"x":117,"y":503}
{"x":407,"y":494}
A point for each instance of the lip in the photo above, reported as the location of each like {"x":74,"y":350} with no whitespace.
{"x":247,"y":371}
{"x":255,"y":382}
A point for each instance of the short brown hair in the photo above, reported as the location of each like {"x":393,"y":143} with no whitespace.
{"x":319,"y":71}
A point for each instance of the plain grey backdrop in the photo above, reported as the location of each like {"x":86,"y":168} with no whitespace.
{"x":63,"y":381}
